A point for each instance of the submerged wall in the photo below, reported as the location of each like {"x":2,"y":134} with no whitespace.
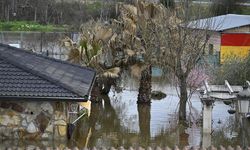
{"x":33,"y":120}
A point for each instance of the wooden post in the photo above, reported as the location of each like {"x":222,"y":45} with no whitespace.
{"x":8,"y":13}
{"x":21,"y":40}
{"x":35,"y":15}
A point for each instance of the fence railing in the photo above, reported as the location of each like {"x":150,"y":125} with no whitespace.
{"x":132,"y":148}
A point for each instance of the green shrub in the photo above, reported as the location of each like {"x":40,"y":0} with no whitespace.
{"x":235,"y":70}
{"x":28,"y":26}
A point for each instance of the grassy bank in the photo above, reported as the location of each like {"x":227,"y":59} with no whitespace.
{"x":28,"y":26}
{"x":203,"y":7}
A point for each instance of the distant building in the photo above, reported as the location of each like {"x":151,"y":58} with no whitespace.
{"x":230,"y":35}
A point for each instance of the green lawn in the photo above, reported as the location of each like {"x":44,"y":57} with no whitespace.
{"x":28,"y":26}
{"x":246,"y":10}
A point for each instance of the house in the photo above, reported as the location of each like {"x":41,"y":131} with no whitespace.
{"x":230,"y":35}
{"x":37,"y":94}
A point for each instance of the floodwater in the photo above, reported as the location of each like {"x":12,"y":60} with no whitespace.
{"x":48,"y":43}
{"x":118,"y":121}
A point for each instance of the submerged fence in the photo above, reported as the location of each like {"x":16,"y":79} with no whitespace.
{"x":131,"y":148}
{"x":46,"y":43}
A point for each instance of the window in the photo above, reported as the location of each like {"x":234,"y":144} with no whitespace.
{"x":210,"y":49}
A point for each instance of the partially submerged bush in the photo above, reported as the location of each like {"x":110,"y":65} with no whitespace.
{"x":235,"y":70}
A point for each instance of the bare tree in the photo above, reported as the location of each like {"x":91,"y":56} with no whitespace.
{"x":182,"y":47}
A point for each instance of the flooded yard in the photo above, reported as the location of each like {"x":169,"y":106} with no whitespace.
{"x":119,"y":121}
{"x":48,"y":43}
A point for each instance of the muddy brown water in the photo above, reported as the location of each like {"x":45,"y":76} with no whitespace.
{"x":119,"y":121}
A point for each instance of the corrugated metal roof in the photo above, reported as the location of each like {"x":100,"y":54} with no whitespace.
{"x":26,"y":74}
{"x":221,"y":23}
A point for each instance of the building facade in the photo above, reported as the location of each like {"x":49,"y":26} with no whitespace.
{"x":229,"y":35}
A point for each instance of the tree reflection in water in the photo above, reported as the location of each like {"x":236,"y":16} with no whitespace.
{"x":120,"y":122}
{"x":232,"y":133}
{"x":144,"y":124}
{"x":103,"y":128}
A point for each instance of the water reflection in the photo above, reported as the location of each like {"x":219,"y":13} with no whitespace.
{"x":48,"y":43}
{"x":111,"y":123}
{"x":144,"y":124}
{"x":245,"y":133}
{"x":118,"y":121}
{"x":101,"y":128}
{"x":227,"y":134}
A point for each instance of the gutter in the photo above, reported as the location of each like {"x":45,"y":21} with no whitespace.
{"x":35,"y":99}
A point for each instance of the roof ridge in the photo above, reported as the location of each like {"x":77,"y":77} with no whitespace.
{"x":44,"y":77}
{"x":46,"y":57}
{"x":238,"y":15}
{"x":221,"y":22}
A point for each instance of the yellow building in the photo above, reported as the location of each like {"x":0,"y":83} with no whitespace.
{"x":234,"y":45}
{"x":230,"y":35}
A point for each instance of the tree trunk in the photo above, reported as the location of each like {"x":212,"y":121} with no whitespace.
{"x":105,"y":85}
{"x":94,"y":122}
{"x":144,"y":124}
{"x":46,"y":15}
{"x":183,"y":99}
{"x":2,"y":11}
{"x":144,"y":96}
{"x":8,"y":13}
{"x":101,"y":86}
{"x":95,"y":93}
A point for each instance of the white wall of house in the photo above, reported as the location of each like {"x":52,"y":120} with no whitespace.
{"x":215,"y":41}
{"x":243,"y":29}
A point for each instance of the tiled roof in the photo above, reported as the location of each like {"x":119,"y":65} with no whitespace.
{"x":28,"y":75}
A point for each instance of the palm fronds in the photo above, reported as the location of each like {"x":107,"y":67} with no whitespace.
{"x":112,"y":72}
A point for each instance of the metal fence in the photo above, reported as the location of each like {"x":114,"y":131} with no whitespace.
{"x":132,"y":148}
{"x":46,"y":43}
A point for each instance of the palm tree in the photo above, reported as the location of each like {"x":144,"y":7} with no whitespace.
{"x":90,"y":51}
{"x":135,"y":39}
{"x":125,"y":40}
{"x":147,"y":34}
{"x":159,"y":36}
